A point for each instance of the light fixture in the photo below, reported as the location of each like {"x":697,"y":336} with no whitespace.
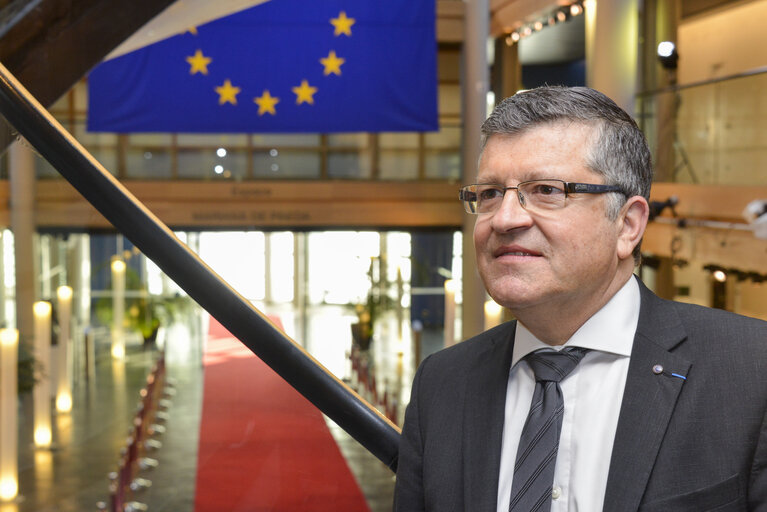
{"x":576,"y":9}
{"x":538,"y":26}
{"x":221,"y":152}
{"x":667,"y":54}
{"x":720,"y":276}
{"x":218,"y":169}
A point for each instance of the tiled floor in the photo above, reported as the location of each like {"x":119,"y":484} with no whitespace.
{"x":73,"y":476}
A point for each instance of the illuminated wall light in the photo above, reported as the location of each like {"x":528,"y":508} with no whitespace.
{"x":221,"y":152}
{"x":9,"y":486}
{"x":43,"y":437}
{"x":451,"y":287}
{"x":538,"y":26}
{"x":576,"y":9}
{"x":720,"y":276}
{"x":118,"y":351}
{"x":118,"y":266}
{"x":118,"y":308}
{"x":218,"y":169}
{"x":515,"y":36}
{"x":41,"y":394}
{"x":64,"y":402}
{"x":64,"y":313}
{"x":493,"y":314}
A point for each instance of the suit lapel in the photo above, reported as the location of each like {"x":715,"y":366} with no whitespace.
{"x":483,"y":421}
{"x":648,"y":402}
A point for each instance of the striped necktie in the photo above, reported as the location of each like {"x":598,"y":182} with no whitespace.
{"x":537,"y":453}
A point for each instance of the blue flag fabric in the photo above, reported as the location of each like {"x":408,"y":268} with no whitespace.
{"x":281,"y":66}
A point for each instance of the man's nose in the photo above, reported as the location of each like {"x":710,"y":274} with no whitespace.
{"x":510,"y":213}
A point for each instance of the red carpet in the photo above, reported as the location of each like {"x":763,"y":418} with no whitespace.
{"x":263,"y":447}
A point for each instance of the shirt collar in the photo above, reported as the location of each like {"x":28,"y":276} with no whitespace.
{"x":611,"y":329}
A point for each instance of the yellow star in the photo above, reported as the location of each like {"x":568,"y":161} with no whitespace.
{"x":192,"y":30}
{"x":227,"y":93}
{"x":199,"y":63}
{"x":332,"y":64}
{"x":266,"y":103}
{"x":304,"y":93}
{"x":342,"y":24}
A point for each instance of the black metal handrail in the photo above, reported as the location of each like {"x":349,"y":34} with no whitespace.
{"x":126,"y":213}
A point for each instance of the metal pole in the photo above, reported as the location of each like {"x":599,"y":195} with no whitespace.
{"x":363,"y":422}
{"x":475,"y":87}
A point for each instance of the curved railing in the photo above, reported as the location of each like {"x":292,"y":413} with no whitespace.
{"x":363,"y":422}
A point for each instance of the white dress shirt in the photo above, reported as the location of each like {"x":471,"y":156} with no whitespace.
{"x":592,"y":394}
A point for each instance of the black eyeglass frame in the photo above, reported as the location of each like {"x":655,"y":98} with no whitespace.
{"x":569,"y":188}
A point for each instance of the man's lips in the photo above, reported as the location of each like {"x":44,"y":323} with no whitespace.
{"x":514,"y":250}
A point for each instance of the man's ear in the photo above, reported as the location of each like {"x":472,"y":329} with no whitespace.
{"x":633,"y":219}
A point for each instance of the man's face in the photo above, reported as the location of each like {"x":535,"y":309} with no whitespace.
{"x":563,"y":258}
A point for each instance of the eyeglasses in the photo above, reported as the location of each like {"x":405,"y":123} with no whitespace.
{"x":533,"y":195}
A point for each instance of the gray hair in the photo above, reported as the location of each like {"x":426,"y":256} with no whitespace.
{"x":619,"y":151}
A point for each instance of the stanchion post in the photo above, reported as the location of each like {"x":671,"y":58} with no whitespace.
{"x":41,"y":395}
{"x":9,"y":449}
{"x":63,"y":386}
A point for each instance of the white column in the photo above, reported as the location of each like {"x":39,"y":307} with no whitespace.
{"x":64,"y":374}
{"x":2,"y":278}
{"x":476,"y":80}
{"x":22,"y":197}
{"x":612,"y":49}
{"x":118,"y":308}
{"x":449,"y":328}
{"x":9,"y":424}
{"x":41,"y":395}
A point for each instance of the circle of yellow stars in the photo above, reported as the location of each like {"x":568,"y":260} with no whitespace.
{"x":227,"y":92}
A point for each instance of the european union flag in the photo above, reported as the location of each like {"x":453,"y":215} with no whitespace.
{"x":281,"y":66}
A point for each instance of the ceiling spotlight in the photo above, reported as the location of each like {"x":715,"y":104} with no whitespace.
{"x":538,"y":26}
{"x":667,"y":55}
{"x":576,"y":9}
{"x":720,"y":276}
{"x":514,"y":36}
{"x":561,"y":16}
{"x":527,"y":31}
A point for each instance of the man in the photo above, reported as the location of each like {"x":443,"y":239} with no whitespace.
{"x":665,"y":408}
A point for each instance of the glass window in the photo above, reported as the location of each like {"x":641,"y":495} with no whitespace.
{"x":215,"y":140}
{"x":349,"y":140}
{"x":398,"y":164}
{"x":398,"y":140}
{"x":349,"y":165}
{"x":152,"y":163}
{"x":277,"y":163}
{"x":208,"y":164}
{"x":277,"y":141}
{"x":239,"y":258}
{"x":443,"y":165}
{"x":281,"y":267}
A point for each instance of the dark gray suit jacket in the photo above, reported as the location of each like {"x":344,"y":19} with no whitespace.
{"x":694,"y":445}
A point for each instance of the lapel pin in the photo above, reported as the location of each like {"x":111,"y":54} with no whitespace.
{"x":658,"y":369}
